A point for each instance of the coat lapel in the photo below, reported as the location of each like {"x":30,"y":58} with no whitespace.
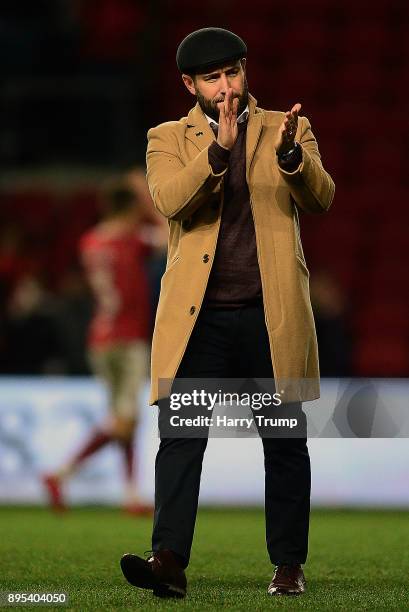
{"x":198,"y":129}
{"x":254,"y":129}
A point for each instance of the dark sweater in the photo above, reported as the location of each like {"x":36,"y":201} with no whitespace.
{"x":235,"y":276}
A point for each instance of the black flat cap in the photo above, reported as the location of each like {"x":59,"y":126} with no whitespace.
{"x":208,"y":47}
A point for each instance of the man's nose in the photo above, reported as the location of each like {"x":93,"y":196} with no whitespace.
{"x":224,"y":84}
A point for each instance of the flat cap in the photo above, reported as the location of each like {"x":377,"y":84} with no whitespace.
{"x":208,"y":47}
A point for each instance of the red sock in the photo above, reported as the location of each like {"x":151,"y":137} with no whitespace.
{"x":128,"y":451}
{"x":96,"y":441}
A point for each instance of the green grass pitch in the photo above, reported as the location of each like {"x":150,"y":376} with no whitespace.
{"x":359,"y":560}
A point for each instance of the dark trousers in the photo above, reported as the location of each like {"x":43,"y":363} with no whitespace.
{"x":227,"y":344}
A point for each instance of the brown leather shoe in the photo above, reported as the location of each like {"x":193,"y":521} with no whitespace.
{"x":160,"y":572}
{"x":287,"y":580}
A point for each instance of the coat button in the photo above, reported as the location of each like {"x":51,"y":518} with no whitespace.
{"x":192,"y":310}
{"x":205,"y":258}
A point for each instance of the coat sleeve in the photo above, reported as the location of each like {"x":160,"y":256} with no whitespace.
{"x":310,"y":185}
{"x":177,"y":190}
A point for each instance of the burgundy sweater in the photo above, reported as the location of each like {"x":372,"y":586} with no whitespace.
{"x":235,"y":276}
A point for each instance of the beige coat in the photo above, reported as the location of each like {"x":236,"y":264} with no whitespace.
{"x":185,"y":190}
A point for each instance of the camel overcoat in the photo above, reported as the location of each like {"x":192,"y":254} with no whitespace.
{"x":187,"y":192}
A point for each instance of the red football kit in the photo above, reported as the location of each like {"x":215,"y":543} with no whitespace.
{"x":114,"y":266}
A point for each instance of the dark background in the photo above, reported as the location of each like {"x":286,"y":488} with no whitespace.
{"x":82,"y":81}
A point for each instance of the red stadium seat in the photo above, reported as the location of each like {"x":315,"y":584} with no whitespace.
{"x":371,"y":37}
{"x":347,"y":123}
{"x":383,"y":315}
{"x":309,"y":38}
{"x":361,"y":80}
{"x":367,"y":9}
{"x":384,"y":158}
{"x":373,"y":199}
{"x":385,"y":278}
{"x":315,"y":8}
{"x":110,"y":28}
{"x":300,"y":78}
{"x":382,"y":355}
{"x":392,"y":238}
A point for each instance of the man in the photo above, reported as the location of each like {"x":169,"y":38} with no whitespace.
{"x":113,"y":253}
{"x":234,"y":298}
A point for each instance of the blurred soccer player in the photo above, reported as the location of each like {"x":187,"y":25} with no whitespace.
{"x":113,"y":254}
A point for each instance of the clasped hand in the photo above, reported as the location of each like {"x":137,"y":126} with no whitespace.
{"x":227,"y":133}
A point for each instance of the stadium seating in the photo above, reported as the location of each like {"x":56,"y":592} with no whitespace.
{"x":347,"y":63}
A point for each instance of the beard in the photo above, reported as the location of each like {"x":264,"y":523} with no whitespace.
{"x":209,"y":107}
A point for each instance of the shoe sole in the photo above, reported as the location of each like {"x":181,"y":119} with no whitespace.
{"x":135,"y":571}
{"x":283,"y":592}
{"x":168,"y":590}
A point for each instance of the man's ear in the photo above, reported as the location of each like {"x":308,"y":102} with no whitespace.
{"x":243,"y":62}
{"x":189,"y":82}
